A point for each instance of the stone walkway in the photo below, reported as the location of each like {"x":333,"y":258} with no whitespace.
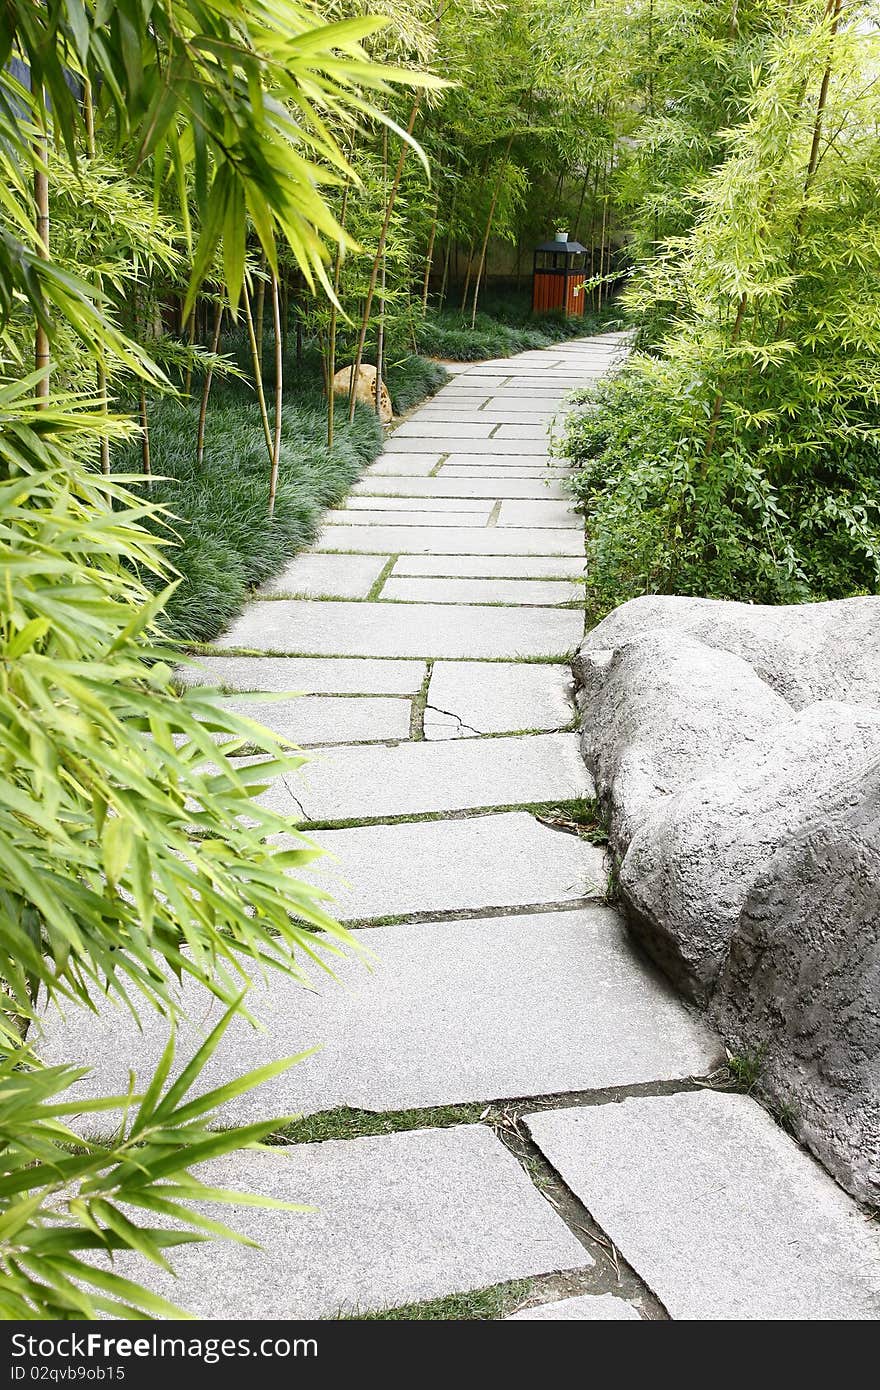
{"x":533,"y":1099}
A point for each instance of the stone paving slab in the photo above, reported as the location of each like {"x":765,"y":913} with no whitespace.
{"x":717,"y":1208}
{"x":289,"y":674}
{"x":358,"y":502}
{"x":439,"y":540}
{"x":535,"y":1004}
{"x":456,"y":408}
{"x":304,"y":628}
{"x":530,"y":458}
{"x":550,"y":477}
{"x":508,"y":859}
{"x":314,"y":719}
{"x":455,"y":429}
{"x":377,"y":516}
{"x":492,"y":566}
{"x":466,"y":698}
{"x":510,"y":414}
{"x":436,"y":444}
{"x":373,"y":782}
{"x":399,"y":1218}
{"x":522,"y":431}
{"x":326,"y":576}
{"x":462,"y":486}
{"x":414,"y":465}
{"x":471,"y":380}
{"x":544,"y":513}
{"x":603,"y":1307}
{"x":547,"y":593}
{"x":505,"y":466}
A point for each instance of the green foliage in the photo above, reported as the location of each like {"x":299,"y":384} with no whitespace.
{"x":67,"y":1205}
{"x":121,"y":832}
{"x":245,"y":98}
{"x":411,"y":379}
{"x":740,"y":459}
{"x":134,"y":849}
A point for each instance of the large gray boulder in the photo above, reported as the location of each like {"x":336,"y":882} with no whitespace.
{"x":802,"y":981}
{"x":805,"y":652}
{"x":728,"y":742}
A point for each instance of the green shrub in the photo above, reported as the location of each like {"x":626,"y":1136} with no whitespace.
{"x":663,"y":519}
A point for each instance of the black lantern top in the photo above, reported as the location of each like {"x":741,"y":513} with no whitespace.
{"x":567,"y":248}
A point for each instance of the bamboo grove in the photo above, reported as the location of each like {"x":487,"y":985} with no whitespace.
{"x":206,"y":212}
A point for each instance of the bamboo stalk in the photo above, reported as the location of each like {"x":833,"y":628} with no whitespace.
{"x":374,"y":272}
{"x":467,"y":276}
{"x":331,"y":351}
{"x":380,"y":327}
{"x":495,"y":192}
{"x":206,"y":389}
{"x":258,"y":371}
{"x":42,"y":351}
{"x":100,"y":369}
{"x":577,"y":220}
{"x":191,"y":340}
{"x":146,"y":460}
{"x":602,"y":239}
{"x":260,"y":311}
{"x":429,"y":254}
{"x":285,"y":313}
{"x":279,"y":389}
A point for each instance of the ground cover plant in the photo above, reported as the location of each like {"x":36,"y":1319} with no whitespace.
{"x":503,"y":327}
{"x":224,"y":543}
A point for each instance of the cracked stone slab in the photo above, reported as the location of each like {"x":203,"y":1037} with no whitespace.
{"x":398,"y":1218}
{"x":594,"y":1307}
{"x":543,"y":513}
{"x":491,"y":566}
{"x":526,"y":592}
{"x":460,"y":485}
{"x":717,"y":1208}
{"x":470,"y":697}
{"x":451,"y":540}
{"x":377,"y":517}
{"x":307,"y":675}
{"x":539,"y":1004}
{"x":473,"y":864}
{"x":374,"y":782}
{"x":306,"y":628}
{"x":328,"y":719}
{"x":412,"y":465}
{"x":326,"y":576}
